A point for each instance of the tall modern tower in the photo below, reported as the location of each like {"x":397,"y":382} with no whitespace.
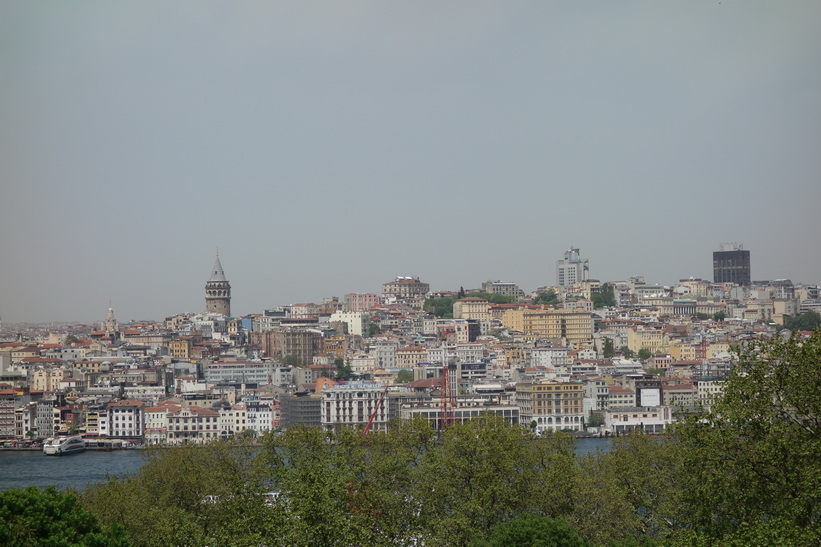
{"x":571,"y":269}
{"x":731,"y":264}
{"x":218,"y":291}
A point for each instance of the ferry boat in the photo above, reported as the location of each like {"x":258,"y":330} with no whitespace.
{"x":63,"y":445}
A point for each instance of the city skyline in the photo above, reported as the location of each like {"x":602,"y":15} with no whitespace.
{"x":326,"y":151}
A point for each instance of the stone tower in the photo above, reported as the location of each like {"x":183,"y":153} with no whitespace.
{"x":218,"y":291}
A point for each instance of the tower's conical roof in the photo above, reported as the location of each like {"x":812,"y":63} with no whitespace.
{"x":216,"y":272}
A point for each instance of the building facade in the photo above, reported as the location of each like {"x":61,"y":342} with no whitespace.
{"x":351,"y":405}
{"x":405,"y":287}
{"x":571,"y":269}
{"x":731,"y":265}
{"x":554,"y":406}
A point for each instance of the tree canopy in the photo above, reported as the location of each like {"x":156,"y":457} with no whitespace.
{"x":754,"y":455}
{"x":47,"y":517}
{"x":806,"y":321}
{"x":606,"y":297}
{"x":547,"y":297}
{"x":404,"y":376}
{"x":440,"y":307}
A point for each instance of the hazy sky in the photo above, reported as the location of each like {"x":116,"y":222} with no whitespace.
{"x":326,"y":147}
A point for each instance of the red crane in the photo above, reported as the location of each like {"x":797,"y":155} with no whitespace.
{"x":375,"y":410}
{"x":448,"y":400}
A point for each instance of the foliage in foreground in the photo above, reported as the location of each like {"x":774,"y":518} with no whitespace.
{"x":47,"y":517}
{"x":746,"y":473}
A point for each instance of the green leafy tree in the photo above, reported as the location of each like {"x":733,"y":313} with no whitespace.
{"x":47,"y":517}
{"x":404,"y":376}
{"x":608,"y":295}
{"x":806,"y":321}
{"x":475,"y":479}
{"x":342,"y":369}
{"x":292,"y":361}
{"x":703,"y":316}
{"x":71,"y":340}
{"x":605,"y":297}
{"x":596,"y":419}
{"x":608,"y":350}
{"x":719,"y":316}
{"x":644,"y":354}
{"x":547,"y":297}
{"x":531,"y":529}
{"x":555,"y":475}
{"x":626,"y":352}
{"x":191,"y":495}
{"x":629,"y":492}
{"x":347,"y":489}
{"x":754,"y":470}
{"x":440,"y":307}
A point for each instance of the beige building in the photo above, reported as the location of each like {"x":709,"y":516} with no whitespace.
{"x":363,"y":363}
{"x":552,"y":405}
{"x":48,"y":379}
{"x":589,"y":287}
{"x":471,"y":308}
{"x":574,"y":326}
{"x":681,"y":350}
{"x":781,"y":308}
{"x":409,"y":357}
{"x":181,"y":348}
{"x":300,"y":343}
{"x":718,"y":350}
{"x":652,"y":339}
{"x":405,"y":287}
{"x":192,"y":424}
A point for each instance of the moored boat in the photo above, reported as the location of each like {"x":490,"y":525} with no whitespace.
{"x":59,"y":446}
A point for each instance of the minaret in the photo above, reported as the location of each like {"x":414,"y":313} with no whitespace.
{"x":218,"y":291}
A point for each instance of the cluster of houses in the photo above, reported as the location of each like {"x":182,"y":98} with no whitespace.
{"x":579,"y":364}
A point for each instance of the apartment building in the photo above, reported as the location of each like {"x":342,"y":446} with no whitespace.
{"x":351,"y":405}
{"x":571,"y":325}
{"x":553,"y":405}
{"x":472,"y":308}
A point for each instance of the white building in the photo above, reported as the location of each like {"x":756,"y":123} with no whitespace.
{"x":358,"y":322}
{"x":628,"y":418}
{"x":708,"y":389}
{"x":571,"y":269}
{"x":351,"y":405}
{"x":469,"y":353}
{"x":549,"y":357}
{"x":248,"y":372}
{"x":156,"y":423}
{"x":192,"y":424}
{"x":233,"y":420}
{"x":384,"y":349}
{"x":126,"y":418}
{"x":260,"y":416}
{"x":363,"y":363}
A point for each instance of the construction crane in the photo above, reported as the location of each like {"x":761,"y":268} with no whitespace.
{"x":375,"y":410}
{"x":448,"y":400}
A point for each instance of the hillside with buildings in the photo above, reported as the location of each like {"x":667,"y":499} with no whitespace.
{"x":601,"y":358}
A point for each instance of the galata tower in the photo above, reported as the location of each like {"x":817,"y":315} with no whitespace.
{"x":218,"y":291}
